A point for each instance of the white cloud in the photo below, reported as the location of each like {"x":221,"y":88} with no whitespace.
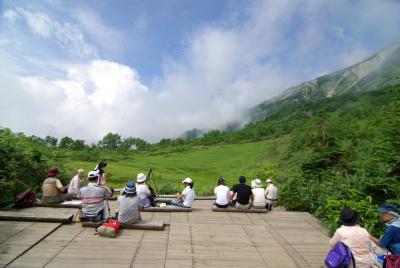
{"x":106,"y":36}
{"x":224,"y":70}
{"x":10,"y":15}
{"x":67,"y":35}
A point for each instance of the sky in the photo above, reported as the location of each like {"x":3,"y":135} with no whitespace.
{"x":154,"y":69}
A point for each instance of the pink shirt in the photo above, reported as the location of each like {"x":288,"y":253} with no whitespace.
{"x":359,"y":242}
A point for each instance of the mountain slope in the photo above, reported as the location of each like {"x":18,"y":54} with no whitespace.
{"x":379,"y":71}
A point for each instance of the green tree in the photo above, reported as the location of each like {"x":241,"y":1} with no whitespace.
{"x":110,"y":141}
{"x":66,"y":142}
{"x":51,"y":141}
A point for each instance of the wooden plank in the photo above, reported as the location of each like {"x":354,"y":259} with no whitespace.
{"x":167,"y":209}
{"x":65,"y":204}
{"x":36,"y":217}
{"x":112,"y":198}
{"x":232,"y":209}
{"x":141,"y":225}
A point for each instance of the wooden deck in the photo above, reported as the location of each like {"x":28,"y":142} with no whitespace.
{"x":200,"y":238}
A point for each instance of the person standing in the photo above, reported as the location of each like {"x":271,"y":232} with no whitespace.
{"x":52,"y":189}
{"x":355,"y":237}
{"x":271,"y":194}
{"x":75,"y":183}
{"x":258,"y":195}
{"x":222,"y":194}
{"x":186,"y":198}
{"x":128,"y":205}
{"x":100,"y":168}
{"x":243,"y":194}
{"x":92,"y":196}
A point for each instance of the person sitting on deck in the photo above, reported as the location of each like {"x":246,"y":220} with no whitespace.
{"x":75,"y":183}
{"x":243,"y":194}
{"x":271,"y":194}
{"x":259,"y":195}
{"x":128,"y":205}
{"x":93,"y":195}
{"x":355,"y":237}
{"x":100,"y":168}
{"x":143,"y":192}
{"x":186,"y":198}
{"x":52,"y":189}
{"x":391,"y":237}
{"x":221,"y":194}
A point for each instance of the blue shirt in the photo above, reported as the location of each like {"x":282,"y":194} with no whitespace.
{"x":391,"y":237}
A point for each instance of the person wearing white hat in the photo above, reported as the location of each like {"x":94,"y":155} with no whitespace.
{"x":143,"y":191}
{"x":271,"y":194}
{"x":258,"y":195}
{"x":186,"y":198}
{"x":93,"y":196}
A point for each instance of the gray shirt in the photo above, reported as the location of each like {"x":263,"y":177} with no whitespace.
{"x":93,"y":199}
{"x":128,"y":209}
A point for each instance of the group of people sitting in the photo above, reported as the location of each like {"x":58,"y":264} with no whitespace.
{"x":242,"y":196}
{"x":368,"y":251}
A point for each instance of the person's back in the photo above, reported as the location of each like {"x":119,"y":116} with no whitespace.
{"x":52,"y":189}
{"x":258,"y":198}
{"x":355,"y":237}
{"x":271,"y":192}
{"x":92,"y":197}
{"x":221,"y":194}
{"x":243,"y":194}
{"x":128,"y":209}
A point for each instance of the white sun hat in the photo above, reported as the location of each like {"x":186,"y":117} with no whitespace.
{"x":269,"y":181}
{"x":187,"y":180}
{"x":141,"y":177}
{"x":257,"y":183}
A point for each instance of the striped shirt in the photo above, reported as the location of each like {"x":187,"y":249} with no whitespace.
{"x":93,"y":199}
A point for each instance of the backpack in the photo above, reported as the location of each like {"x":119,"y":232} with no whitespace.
{"x":339,"y":257}
{"x":25,"y":199}
{"x":391,"y":261}
{"x":109,"y":229}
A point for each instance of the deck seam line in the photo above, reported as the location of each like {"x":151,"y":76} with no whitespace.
{"x":37,"y":242}
{"x":58,"y":253}
{"x":296,"y":257}
{"x":136,"y":250}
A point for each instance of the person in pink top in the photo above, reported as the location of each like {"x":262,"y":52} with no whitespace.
{"x":355,"y":237}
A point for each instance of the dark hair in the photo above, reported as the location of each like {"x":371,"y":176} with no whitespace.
{"x":93,"y":178}
{"x":190,"y":184}
{"x":128,"y":194}
{"x":242,"y":179}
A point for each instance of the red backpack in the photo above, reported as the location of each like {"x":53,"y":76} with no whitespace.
{"x":25,"y":199}
{"x":391,"y":261}
{"x":109,"y":229}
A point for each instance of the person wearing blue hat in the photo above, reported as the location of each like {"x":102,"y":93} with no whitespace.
{"x":128,"y":205}
{"x":391,"y":237}
{"x":222,"y":194}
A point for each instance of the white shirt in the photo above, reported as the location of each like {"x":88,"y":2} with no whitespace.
{"x":221,"y":195}
{"x":189,"y":196}
{"x":128,"y":209}
{"x":142,"y":190}
{"x":74,"y":185}
{"x":271,"y":192}
{"x":259,"y":197}
{"x":359,"y":242}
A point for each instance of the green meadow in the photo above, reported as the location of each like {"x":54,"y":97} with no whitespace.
{"x":203,"y":164}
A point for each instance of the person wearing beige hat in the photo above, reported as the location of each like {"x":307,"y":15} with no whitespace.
{"x":258,"y":195}
{"x":271,"y":194}
{"x":75,"y":183}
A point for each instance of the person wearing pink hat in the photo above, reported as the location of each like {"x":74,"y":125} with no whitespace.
{"x":52,"y":189}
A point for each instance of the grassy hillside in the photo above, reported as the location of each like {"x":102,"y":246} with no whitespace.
{"x":203,"y":164}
